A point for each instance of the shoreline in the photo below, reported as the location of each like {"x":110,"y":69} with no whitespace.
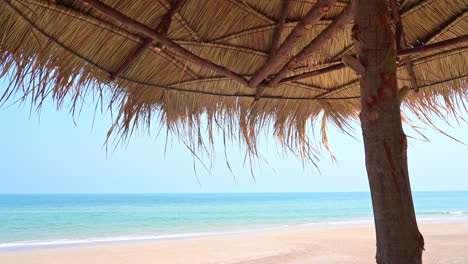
{"x":445,"y":243}
{"x":96,"y":241}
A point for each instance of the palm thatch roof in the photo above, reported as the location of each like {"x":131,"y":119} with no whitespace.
{"x":181,"y":60}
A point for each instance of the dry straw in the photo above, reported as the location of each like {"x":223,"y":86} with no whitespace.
{"x":67,"y":50}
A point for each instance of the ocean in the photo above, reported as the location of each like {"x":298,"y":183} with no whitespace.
{"x":49,"y":220}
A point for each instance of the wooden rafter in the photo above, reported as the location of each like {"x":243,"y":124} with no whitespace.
{"x":405,"y":52}
{"x":344,"y":18}
{"x":181,"y":20}
{"x":434,"y":46}
{"x":301,"y":29}
{"x":276,"y":38}
{"x":284,"y":14}
{"x":162,"y":28}
{"x":356,"y":81}
{"x":402,"y":44}
{"x":411,"y":73}
{"x":431,"y":39}
{"x":177,"y":49}
{"x":354,"y":64}
{"x":156,"y":36}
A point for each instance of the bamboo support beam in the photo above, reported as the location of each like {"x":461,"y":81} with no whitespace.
{"x":401,"y":44}
{"x":156,"y":36}
{"x":163,"y":28}
{"x":344,"y":18}
{"x":413,"y":51}
{"x":301,"y":29}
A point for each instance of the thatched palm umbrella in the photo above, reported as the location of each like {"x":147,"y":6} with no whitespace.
{"x":248,"y":64}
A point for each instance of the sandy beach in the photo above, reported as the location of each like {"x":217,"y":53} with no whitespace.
{"x":446,"y":242}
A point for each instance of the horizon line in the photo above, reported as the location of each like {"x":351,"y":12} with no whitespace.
{"x":201,"y":193}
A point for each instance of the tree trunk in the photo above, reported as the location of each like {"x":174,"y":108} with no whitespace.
{"x":398,"y":237}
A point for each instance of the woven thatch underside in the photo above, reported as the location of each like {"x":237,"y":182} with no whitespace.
{"x":66,"y":50}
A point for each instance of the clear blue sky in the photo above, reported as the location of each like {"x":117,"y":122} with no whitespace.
{"x":48,"y":153}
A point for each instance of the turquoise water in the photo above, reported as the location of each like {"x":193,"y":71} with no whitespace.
{"x":61,"y":219}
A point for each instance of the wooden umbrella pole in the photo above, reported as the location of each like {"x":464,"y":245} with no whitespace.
{"x":162,"y":28}
{"x":156,"y":36}
{"x":385,"y":144}
{"x":299,"y":31}
{"x":413,"y":51}
{"x":344,"y":18}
